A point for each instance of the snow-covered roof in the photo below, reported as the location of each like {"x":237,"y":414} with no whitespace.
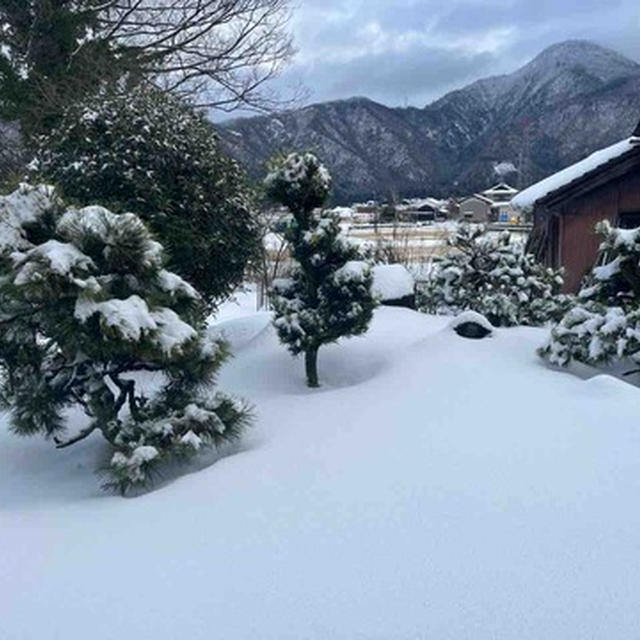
{"x":500,"y":188}
{"x":434,"y":202}
{"x":414,"y":203}
{"x":477,"y":196}
{"x":526,"y":199}
{"x":342,"y":212}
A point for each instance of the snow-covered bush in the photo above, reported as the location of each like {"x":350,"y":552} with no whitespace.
{"x":394,"y":285}
{"x":494,"y":276}
{"x":328,"y":295}
{"x":604,"y":325}
{"x":147,"y":152}
{"x":87,"y":310}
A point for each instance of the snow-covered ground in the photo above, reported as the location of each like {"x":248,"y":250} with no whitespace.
{"x":434,"y":487}
{"x":242,"y":303}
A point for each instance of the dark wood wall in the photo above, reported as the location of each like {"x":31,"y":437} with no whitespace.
{"x":577,"y":244}
{"x":578,"y":240}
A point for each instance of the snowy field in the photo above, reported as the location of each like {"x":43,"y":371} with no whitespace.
{"x":414,"y":245}
{"x":434,"y":488}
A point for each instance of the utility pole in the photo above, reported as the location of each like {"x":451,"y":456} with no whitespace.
{"x":529,"y":129}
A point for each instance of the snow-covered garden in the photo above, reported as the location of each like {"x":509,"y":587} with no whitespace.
{"x":433,"y":487}
{"x":468,"y":469}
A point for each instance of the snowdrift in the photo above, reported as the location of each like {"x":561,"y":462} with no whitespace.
{"x":434,"y":487}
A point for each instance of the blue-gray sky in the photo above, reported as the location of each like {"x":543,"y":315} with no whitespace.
{"x":410,"y":52}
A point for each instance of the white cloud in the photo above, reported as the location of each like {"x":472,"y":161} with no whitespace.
{"x":413,"y":51}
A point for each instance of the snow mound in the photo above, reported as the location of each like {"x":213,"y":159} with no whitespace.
{"x":471,"y":316}
{"x":470,"y":324}
{"x":241,"y":331}
{"x":392,"y":282}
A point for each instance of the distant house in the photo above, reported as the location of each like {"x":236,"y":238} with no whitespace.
{"x":490,"y":205}
{"x":422,"y":210}
{"x":505,"y":212}
{"x":567,"y":205}
{"x":366,"y":212}
{"x":452,"y":208}
{"x":501,"y":195}
{"x":500,"y":192}
{"x":475,"y":208}
{"x":371,"y":206}
{"x":344,"y":214}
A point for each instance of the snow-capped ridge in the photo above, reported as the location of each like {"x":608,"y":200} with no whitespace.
{"x":573,"y":98}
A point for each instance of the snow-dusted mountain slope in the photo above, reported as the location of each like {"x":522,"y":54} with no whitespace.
{"x":571,"y":99}
{"x":435,"y":487}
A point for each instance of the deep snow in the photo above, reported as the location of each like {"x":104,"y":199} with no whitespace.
{"x":434,"y":487}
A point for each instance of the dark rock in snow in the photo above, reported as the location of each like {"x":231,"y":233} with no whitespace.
{"x":472,"y":330}
{"x":470,"y":324}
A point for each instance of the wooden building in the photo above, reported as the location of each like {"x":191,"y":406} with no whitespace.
{"x":501,"y":192}
{"x":422,"y":210}
{"x":567,"y":205}
{"x":475,"y":208}
{"x":501,"y":195}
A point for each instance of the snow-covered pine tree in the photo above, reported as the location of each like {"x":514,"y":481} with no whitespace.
{"x":328,"y":295}
{"x":604,"y":325}
{"x":148,"y":152}
{"x":494,"y":276}
{"x":87,"y":310}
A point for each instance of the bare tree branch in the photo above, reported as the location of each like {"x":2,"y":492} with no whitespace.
{"x":85,"y":433}
{"x":218,"y":53}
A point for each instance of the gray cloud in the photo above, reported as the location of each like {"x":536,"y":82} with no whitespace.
{"x":413,"y":51}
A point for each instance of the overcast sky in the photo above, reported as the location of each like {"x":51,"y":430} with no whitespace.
{"x":410,"y":52}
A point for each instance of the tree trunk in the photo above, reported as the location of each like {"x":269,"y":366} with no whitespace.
{"x":311,"y":366}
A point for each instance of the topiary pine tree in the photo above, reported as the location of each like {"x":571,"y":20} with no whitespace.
{"x":494,"y":276}
{"x":148,"y":152}
{"x":87,"y":310}
{"x":604,"y":325}
{"x":328,"y":295}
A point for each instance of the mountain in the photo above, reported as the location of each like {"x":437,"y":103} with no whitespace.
{"x":573,"y":98}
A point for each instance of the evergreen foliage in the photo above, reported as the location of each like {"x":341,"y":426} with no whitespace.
{"x":495,"y":277}
{"x":148,"y":152}
{"x":50,"y":58}
{"x":604,"y":325}
{"x":87,"y":311}
{"x":328,"y":295}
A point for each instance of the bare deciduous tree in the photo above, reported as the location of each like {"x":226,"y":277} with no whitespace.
{"x":220,"y":52}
